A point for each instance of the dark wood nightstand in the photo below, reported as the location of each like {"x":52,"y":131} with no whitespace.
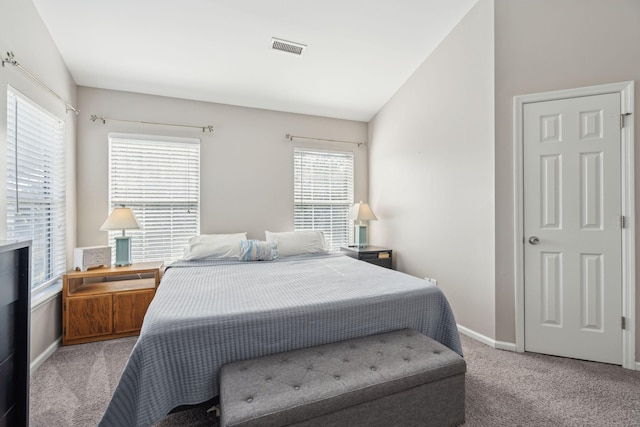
{"x":371,"y":254}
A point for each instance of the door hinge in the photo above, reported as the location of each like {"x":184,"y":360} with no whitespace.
{"x":623,"y":221}
{"x":624,"y":323}
{"x":622,"y":116}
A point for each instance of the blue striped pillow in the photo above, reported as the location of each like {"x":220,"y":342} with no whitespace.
{"x":256,"y":250}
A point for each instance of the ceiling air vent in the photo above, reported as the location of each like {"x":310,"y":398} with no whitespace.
{"x":287,"y":46}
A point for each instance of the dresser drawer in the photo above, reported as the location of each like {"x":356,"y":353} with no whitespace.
{"x":368,"y":256}
{"x":7,"y":384}
{"x":382,"y":262}
{"x":371,"y":254}
{"x":7,"y":330}
{"x":10,"y":419}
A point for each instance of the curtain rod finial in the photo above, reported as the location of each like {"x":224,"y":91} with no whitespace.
{"x":9,"y":59}
{"x":71,"y":108}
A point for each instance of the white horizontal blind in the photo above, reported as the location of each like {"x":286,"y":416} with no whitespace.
{"x":159,"y":179}
{"x":323,"y":193}
{"x":36,"y":186}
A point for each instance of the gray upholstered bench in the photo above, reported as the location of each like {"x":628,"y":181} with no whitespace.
{"x":400,"y":378}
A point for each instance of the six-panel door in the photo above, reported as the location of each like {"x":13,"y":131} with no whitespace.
{"x":572,"y":207}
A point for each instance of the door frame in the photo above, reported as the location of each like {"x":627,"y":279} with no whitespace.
{"x":626,"y":91}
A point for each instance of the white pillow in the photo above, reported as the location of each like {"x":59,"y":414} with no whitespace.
{"x":215,"y":246}
{"x":298,"y":242}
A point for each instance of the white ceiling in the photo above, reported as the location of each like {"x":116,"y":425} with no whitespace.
{"x":359,"y":51}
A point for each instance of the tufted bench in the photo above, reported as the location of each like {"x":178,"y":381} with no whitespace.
{"x":400,"y":378}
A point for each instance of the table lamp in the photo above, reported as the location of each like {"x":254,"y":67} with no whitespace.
{"x":360,"y":212}
{"x":121,"y":218}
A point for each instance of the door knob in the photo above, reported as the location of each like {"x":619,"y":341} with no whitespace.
{"x":534,"y":240}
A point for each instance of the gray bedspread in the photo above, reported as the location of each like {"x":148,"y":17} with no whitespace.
{"x":209,"y":313}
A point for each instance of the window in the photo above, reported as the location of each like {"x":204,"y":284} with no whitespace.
{"x":323,"y":193}
{"x":36,"y":186}
{"x":159,"y":179}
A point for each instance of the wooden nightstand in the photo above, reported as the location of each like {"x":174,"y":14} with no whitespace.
{"x":106,"y":303}
{"x":372,"y":254}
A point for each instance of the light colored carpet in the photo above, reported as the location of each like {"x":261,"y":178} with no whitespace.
{"x":73,"y":387}
{"x":528,"y":389}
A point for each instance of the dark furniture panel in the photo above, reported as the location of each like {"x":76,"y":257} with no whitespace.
{"x":7,"y":330}
{"x":386,"y":262}
{"x":10,"y":419}
{"x":15,"y":312}
{"x":371,"y":254}
{"x":7,"y":384}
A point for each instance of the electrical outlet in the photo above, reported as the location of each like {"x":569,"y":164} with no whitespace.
{"x":431,"y":281}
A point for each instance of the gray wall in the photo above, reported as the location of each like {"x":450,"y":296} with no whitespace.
{"x":23,"y":32}
{"x":544,"y":45}
{"x":431,"y":166}
{"x":246,"y":179}
{"x":433,"y":158}
{"x":46,"y":328}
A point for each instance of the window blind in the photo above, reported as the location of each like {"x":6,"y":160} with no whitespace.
{"x":159,"y":179}
{"x":36,"y":186}
{"x":323,"y":193}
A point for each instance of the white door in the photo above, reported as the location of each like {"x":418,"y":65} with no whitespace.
{"x":573,"y":238}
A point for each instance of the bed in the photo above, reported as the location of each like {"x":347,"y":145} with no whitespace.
{"x":207,"y":313}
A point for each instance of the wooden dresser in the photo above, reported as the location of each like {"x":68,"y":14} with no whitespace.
{"x":106,"y":303}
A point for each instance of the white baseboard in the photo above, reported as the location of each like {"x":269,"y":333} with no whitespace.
{"x":500,"y":345}
{"x":45,"y":355}
{"x":503,"y":345}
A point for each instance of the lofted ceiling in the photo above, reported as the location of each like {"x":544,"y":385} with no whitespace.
{"x":358,"y":54}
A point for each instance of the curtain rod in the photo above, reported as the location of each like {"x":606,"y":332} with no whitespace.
{"x":10,"y":59}
{"x":291,"y":137}
{"x":104,"y":120}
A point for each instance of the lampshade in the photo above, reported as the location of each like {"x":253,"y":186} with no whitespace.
{"x":361,"y":212}
{"x":121,"y":218}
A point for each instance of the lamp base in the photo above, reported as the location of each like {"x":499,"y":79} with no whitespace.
{"x":360,"y":235}
{"x":123,"y":251}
